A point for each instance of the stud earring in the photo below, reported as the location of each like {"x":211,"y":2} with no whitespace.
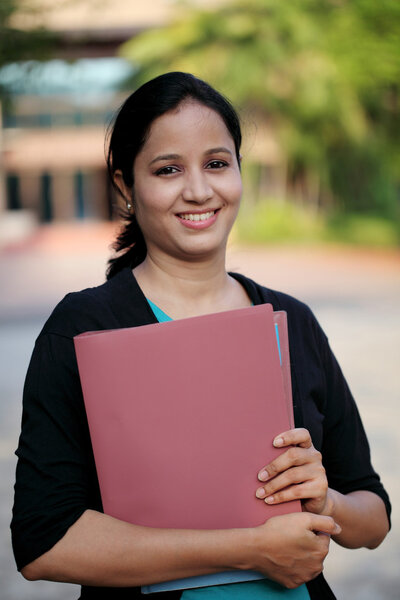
{"x":129,"y":206}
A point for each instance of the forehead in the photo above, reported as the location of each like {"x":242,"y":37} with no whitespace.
{"x":189,"y":125}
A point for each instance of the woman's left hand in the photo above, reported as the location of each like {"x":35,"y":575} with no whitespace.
{"x":297,"y":474}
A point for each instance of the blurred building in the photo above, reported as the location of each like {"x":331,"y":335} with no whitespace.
{"x":52,"y":136}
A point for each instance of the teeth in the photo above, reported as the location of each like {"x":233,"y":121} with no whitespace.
{"x":197,"y":217}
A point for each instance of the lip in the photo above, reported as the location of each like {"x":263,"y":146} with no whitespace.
{"x":203,"y":224}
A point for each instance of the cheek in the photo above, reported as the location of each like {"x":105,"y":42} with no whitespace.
{"x":233,"y":190}
{"x":152,"y":210}
{"x":146,"y":204}
{"x":155,"y":196}
{"x":239,"y":188}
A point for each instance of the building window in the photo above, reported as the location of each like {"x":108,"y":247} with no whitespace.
{"x":46,"y":204}
{"x":13,"y":192}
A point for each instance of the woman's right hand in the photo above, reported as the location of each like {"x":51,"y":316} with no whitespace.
{"x":291,"y":549}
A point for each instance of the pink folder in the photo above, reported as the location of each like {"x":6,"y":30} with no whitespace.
{"x":182,"y":416}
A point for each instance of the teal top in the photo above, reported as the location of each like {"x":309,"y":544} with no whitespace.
{"x":262,"y":589}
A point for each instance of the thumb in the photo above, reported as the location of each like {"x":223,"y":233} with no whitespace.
{"x":323,"y":524}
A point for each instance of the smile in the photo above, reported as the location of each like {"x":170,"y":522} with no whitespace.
{"x":199,"y":220}
{"x":197,"y":216}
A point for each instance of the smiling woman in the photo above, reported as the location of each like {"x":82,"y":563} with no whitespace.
{"x":194,"y":186}
{"x":174,"y":156}
{"x":185,"y":139}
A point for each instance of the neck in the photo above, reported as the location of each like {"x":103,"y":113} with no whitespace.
{"x":184,"y":289}
{"x":187,"y":279}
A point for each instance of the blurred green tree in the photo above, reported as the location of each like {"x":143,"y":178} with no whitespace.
{"x":324,"y":74}
{"x":20,"y":44}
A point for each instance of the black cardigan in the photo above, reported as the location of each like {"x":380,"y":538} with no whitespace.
{"x":56,"y":477}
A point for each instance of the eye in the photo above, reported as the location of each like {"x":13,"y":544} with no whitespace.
{"x":217,"y":164}
{"x":167,"y":170}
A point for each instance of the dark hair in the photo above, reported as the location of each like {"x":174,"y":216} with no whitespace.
{"x":129,"y":132}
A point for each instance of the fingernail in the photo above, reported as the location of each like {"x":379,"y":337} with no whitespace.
{"x":269,"y":500}
{"x":278,"y":441}
{"x":263,"y":476}
{"x":260,"y":493}
{"x":338,"y":529}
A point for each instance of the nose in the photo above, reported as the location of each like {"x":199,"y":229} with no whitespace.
{"x":196,"y":187}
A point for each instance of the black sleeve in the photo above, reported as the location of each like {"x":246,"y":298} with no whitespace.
{"x":323,"y":403}
{"x":345,"y":449}
{"x":55,"y":479}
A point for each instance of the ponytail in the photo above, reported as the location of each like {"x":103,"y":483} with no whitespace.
{"x":130,"y":247}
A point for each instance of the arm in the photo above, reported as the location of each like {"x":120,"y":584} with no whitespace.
{"x":362,"y":516}
{"x":298,"y":473}
{"x":101,"y":550}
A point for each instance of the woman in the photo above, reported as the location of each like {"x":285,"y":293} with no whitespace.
{"x":174,"y":156}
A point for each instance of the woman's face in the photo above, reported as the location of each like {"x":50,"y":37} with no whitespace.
{"x":187,"y":184}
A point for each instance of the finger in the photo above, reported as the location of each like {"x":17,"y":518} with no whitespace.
{"x":293,"y":457}
{"x":293,"y":437}
{"x":301,"y":491}
{"x":293,"y":486}
{"x":324,"y":539}
{"x":322,"y":524}
{"x":290,"y":476}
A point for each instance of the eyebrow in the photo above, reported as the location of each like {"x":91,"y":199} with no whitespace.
{"x":217,"y":150}
{"x":165,"y":157}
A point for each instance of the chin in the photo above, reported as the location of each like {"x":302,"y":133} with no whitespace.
{"x":202,"y":252}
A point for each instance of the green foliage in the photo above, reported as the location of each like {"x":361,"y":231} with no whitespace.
{"x":17,"y":44}
{"x":276,"y":221}
{"x":323,"y":73}
{"x":364,"y":230}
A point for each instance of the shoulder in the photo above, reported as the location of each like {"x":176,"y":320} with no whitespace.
{"x":304,"y":329}
{"x":260,"y":294}
{"x":89,"y":309}
{"x":300,"y":316}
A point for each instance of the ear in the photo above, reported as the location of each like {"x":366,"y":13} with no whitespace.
{"x":125,"y":192}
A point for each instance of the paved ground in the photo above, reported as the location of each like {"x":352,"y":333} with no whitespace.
{"x":355,"y":295}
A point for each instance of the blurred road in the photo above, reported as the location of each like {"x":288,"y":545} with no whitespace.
{"x":356,"y":297}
